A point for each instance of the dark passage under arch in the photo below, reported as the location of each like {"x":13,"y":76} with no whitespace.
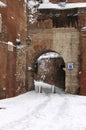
{"x":49,"y":68}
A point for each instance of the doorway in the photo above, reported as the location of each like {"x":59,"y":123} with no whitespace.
{"x":49,"y":68}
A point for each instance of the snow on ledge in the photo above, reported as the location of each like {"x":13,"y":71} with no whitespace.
{"x":10,"y":43}
{"x":83,"y":29}
{"x":2,"y":4}
{"x":31,"y":3}
{"x":58,"y":6}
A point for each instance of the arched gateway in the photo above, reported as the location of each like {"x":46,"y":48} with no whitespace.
{"x":64,"y":41}
{"x":50,"y":68}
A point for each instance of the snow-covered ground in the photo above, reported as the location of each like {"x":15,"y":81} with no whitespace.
{"x":43,"y":111}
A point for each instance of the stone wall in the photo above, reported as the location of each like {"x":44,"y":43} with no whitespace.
{"x":21,"y":68}
{"x":64,"y":41}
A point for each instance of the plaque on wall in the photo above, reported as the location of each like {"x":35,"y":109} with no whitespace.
{"x":70,"y":66}
{"x":10,"y":48}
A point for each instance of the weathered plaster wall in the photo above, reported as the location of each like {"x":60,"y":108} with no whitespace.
{"x":3,"y":70}
{"x":17,"y":20}
{"x":66,"y":43}
{"x":83,"y":63}
{"x":13,"y":26}
{"x":16,"y":28}
{"x":21,"y":68}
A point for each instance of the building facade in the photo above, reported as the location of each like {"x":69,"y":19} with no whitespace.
{"x":35,"y":30}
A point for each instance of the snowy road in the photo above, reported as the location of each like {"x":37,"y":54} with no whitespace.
{"x":35,"y":111}
{"x":43,"y":111}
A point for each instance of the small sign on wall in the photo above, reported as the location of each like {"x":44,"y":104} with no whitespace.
{"x":10,"y":48}
{"x":70,"y":66}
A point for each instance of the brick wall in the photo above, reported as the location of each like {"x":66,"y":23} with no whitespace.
{"x":83,"y":63}
{"x":3,"y":70}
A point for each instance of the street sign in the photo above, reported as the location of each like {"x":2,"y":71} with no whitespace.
{"x":70,"y":66}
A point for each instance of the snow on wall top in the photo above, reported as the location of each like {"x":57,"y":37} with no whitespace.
{"x":62,"y":5}
{"x":2,"y":4}
{"x":34,"y":5}
{"x":83,"y":28}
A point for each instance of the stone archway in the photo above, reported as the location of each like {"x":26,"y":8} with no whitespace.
{"x":61,"y":73}
{"x":64,"y":41}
